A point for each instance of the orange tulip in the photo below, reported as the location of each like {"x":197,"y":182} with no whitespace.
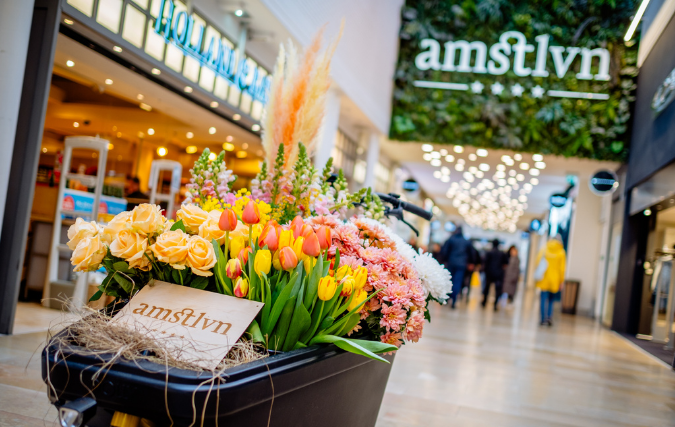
{"x":325,"y":237}
{"x":241,"y":287}
{"x":228,"y":220}
{"x":233,"y":268}
{"x":269,"y":237}
{"x":310,"y":245}
{"x":251,"y":214}
{"x":243,"y":255}
{"x":296,"y":226}
{"x":287,"y":258}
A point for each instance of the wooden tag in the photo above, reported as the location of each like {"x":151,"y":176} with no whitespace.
{"x":197,"y":326}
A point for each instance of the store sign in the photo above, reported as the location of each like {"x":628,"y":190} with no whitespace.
{"x":410,"y":185}
{"x":665,"y":94}
{"x":558,"y":200}
{"x":603,"y":182}
{"x":179,"y":27}
{"x":535,"y":225}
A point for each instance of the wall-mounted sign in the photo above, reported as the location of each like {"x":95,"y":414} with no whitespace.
{"x":557,"y":200}
{"x":410,"y":185}
{"x":535,"y":225}
{"x":603,"y":182}
{"x":179,"y":28}
{"x":665,"y":94}
{"x":534,"y":76}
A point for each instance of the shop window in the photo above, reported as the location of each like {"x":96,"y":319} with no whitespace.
{"x":174,"y":58}
{"x":191,"y":69}
{"x":221,"y":88}
{"x":382,"y":177}
{"x":134,"y":25}
{"x":207,"y":79}
{"x":109,"y":14}
{"x":257,"y":110}
{"x":144,"y":3}
{"x":154,"y":43}
{"x":360,"y":169}
{"x":84,"y":6}
{"x":344,"y":153}
{"x":154,"y":7}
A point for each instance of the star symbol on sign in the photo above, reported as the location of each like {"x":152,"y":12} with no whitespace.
{"x":517,"y":90}
{"x":538,"y":91}
{"x":497,"y":88}
{"x":477,"y":87}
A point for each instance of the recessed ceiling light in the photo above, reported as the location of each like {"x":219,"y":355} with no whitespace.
{"x":534,"y":172}
{"x":189,"y":135}
{"x":188,"y":89}
{"x":435,"y":162}
{"x":473,"y":157}
{"x":70,"y":63}
{"x":156,"y":71}
{"x":241,"y":154}
{"x":212,"y":156}
{"x":427,"y":148}
{"x":534,"y":181}
{"x":229,"y":138}
{"x":151,"y":131}
{"x":191,"y":149}
{"x":228,"y":146}
{"x":214,"y":104}
{"x":145,"y":106}
{"x":482,"y":152}
{"x":117,"y":49}
{"x":255,"y":128}
{"x":212,"y":130}
{"x":76,"y":125}
{"x":458,"y":149}
{"x":518,"y":156}
{"x":110,"y":146}
{"x":537,"y":157}
{"x":449,"y":158}
{"x":119,"y":134}
{"x":44,"y":149}
{"x":108,"y":81}
{"x":236,"y":117}
{"x":68,"y":21}
{"x":162,"y":151}
{"x":141,"y":134}
{"x":119,"y":157}
{"x":540,"y":165}
{"x":484,"y":167}
{"x":244,"y":146}
{"x":140,"y":97}
{"x":524,"y":166}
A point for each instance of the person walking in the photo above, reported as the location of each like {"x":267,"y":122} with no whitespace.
{"x":549,"y":276}
{"x":494,"y":265}
{"x":455,"y":253}
{"x":473,"y":263}
{"x":512,"y":273}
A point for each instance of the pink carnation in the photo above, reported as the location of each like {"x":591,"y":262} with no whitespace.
{"x":393,"y":316}
{"x":397,"y":294}
{"x":413,"y":329}
{"x":393,"y":338}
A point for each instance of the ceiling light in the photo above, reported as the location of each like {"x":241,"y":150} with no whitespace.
{"x":512,"y":172}
{"x":189,"y":135}
{"x":534,"y":172}
{"x":438,"y":174}
{"x":141,"y":135}
{"x":70,"y":63}
{"x":214,"y":104}
{"x":191,"y":149}
{"x":44,"y":149}
{"x":255,"y":128}
{"x":473,"y":169}
{"x":108,"y":81}
{"x":524,"y":166}
{"x":239,"y":12}
{"x":241,"y":154}
{"x":110,"y":146}
{"x":427,"y":147}
{"x":537,"y":157}
{"x":68,"y":21}
{"x":435,"y":155}
{"x":119,"y":134}
{"x":212,"y":130}
{"x":188,"y":89}
{"x":473,"y":157}
{"x":461,"y":161}
{"x":162,"y":151}
{"x":633,"y":25}
{"x":445,"y":170}
{"x":482,"y":152}
{"x":520,"y":177}
{"x":484,"y":167}
{"x":647,"y":212}
{"x":505,"y":158}
{"x":151,"y":131}
{"x":479,"y":174}
{"x":445,"y":178}
{"x":229,"y":138}
{"x":117,"y":49}
{"x":443,"y":152}
{"x":427,"y":157}
{"x":512,"y":181}
{"x":228,"y":146}
{"x":458,"y":149}
{"x":76,"y":125}
{"x":140,"y":97}
{"x":449,"y":158}
{"x":518,"y":156}
{"x":540,"y":165}
{"x":501,"y":168}
{"x":435,"y":162}
{"x":145,"y":106}
{"x":156,"y":71}
{"x":522,"y":199}
{"x":212,"y":156}
{"x":534,"y":181}
{"x":244,"y":146}
{"x":459,"y":167}
{"x":236,"y":117}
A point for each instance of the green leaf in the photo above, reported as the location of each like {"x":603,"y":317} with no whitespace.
{"x":223,"y":283}
{"x":313,"y":283}
{"x":298,"y":345}
{"x":126,"y":285}
{"x":96,"y":296}
{"x":300,"y":323}
{"x":348,"y":345}
{"x":254,"y":332}
{"x":279,"y":336}
{"x":353,"y":320}
{"x":178,"y":225}
{"x":326,"y":322}
{"x":276,"y":310}
{"x":268,"y":299}
{"x":374,"y":346}
{"x":199,"y":282}
{"x":123,"y":267}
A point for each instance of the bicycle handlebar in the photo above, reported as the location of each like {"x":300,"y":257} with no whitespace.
{"x":409,"y":207}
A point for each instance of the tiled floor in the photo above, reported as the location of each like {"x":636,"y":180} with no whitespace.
{"x":472,"y":368}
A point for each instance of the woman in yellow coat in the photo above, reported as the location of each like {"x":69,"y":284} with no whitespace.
{"x":552,"y":279}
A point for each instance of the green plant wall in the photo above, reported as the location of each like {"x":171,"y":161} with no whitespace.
{"x":597,"y":129}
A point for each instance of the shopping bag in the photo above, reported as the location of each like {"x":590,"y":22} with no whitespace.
{"x":475,"y":280}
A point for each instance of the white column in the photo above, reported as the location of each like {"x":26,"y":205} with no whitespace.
{"x":15,"y":22}
{"x":330,"y":127}
{"x":372,"y":156}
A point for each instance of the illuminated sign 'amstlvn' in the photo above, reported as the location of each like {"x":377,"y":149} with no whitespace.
{"x":179,"y":27}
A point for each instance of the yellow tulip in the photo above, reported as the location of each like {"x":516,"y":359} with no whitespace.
{"x":256,"y":230}
{"x":309,"y":263}
{"x":237,"y":243}
{"x":357,"y":299}
{"x":285,"y":238}
{"x":360,"y":277}
{"x":262,"y":262}
{"x":327,"y":288}
{"x":343,"y":271}
{"x":275,"y":261}
{"x":297,"y":247}
{"x":347,"y":286}
{"x":241,"y":287}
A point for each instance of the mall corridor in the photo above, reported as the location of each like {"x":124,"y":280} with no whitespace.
{"x":481,"y":368}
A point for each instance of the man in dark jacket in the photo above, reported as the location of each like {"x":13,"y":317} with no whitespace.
{"x":455,"y":253}
{"x":494,"y":265}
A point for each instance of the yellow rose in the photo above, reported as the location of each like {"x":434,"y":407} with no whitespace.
{"x":262,"y":262}
{"x":237,"y":243}
{"x":171,"y":247}
{"x":80,"y":230}
{"x":210,"y":229}
{"x":193,"y":217}
{"x":117,"y":224}
{"x":200,"y":257}
{"x":88,"y":254}
{"x":132,"y":248}
{"x":147,"y":219}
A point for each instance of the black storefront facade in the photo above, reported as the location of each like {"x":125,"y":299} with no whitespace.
{"x":649,"y":191}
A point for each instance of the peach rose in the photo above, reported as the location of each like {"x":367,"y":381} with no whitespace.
{"x":115,"y":225}
{"x":147,"y":219}
{"x":171,"y":247}
{"x":193,"y":217}
{"x":200,"y":257}
{"x":132,"y":248}
{"x":210,"y":228}
{"x":80,"y":230}
{"x":88,"y":254}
